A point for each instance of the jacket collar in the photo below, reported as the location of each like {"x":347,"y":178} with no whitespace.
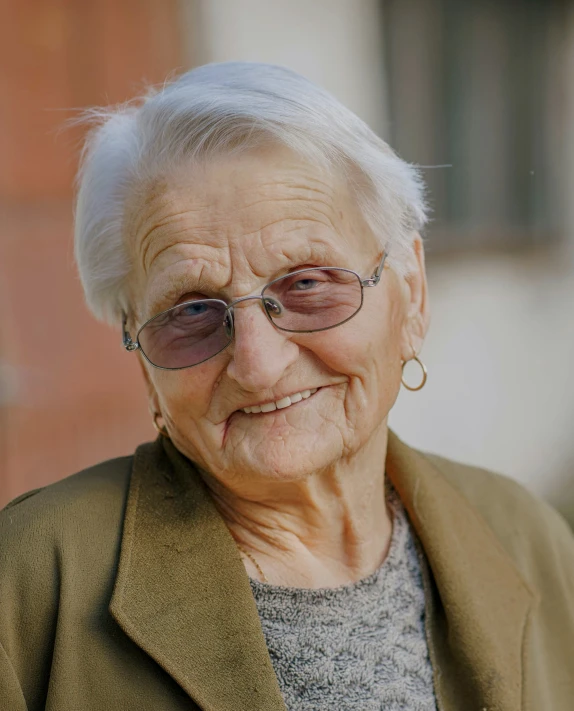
{"x":183,"y":596}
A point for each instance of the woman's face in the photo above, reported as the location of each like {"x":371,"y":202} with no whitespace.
{"x":224,"y":231}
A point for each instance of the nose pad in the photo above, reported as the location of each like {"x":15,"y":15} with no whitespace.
{"x":273,"y":307}
{"x":228,"y":324}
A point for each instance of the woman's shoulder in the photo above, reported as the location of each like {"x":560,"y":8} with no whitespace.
{"x":89,"y":503}
{"x":527,"y":527}
{"x":494,"y":494}
{"x":59,"y":552}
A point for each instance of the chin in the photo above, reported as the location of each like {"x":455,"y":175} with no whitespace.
{"x":295,"y":460}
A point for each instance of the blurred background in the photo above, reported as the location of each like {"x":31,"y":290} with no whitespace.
{"x":479,"y":92}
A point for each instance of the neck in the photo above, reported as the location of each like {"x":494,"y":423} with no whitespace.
{"x":331,"y":529}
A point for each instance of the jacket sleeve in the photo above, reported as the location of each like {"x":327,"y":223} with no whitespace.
{"x":541,"y":546}
{"x":29,"y":596}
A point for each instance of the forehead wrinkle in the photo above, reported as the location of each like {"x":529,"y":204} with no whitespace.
{"x":286,"y":209}
{"x":311,"y":213}
{"x":290,"y":192}
{"x":285,"y":226}
{"x":164,"y":195}
{"x":168,"y":222}
{"x":154,"y":206}
{"x":336,"y":239}
{"x":327,"y":190}
{"x":288,"y":254}
{"x":168,"y":227}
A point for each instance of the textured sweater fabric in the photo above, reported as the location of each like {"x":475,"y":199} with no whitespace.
{"x":357,"y":647}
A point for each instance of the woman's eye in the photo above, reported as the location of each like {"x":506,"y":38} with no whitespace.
{"x":304,"y":284}
{"x":194,"y":309}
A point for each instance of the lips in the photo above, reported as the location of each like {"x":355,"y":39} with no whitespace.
{"x":281,"y":404}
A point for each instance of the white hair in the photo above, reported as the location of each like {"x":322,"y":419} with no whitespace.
{"x":220,"y":108}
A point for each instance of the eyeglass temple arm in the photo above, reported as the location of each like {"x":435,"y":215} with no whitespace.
{"x":374,"y":280}
{"x":129,"y":345}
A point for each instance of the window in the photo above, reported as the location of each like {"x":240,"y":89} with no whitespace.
{"x":476,"y":85}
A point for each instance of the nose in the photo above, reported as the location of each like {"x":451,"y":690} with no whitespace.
{"x":260,"y":354}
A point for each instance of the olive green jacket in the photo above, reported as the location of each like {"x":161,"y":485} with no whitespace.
{"x":121,"y":588}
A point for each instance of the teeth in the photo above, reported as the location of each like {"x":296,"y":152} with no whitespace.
{"x":280,"y":404}
{"x":284,"y":402}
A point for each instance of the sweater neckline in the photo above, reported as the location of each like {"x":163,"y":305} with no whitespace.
{"x":399,"y":535}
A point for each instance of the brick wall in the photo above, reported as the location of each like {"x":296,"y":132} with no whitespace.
{"x":69,"y":395}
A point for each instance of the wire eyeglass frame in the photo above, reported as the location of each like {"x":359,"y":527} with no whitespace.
{"x":267,"y":302}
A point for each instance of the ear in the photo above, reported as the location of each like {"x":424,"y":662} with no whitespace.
{"x":417,"y":316}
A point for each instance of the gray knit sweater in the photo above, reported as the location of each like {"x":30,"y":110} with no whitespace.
{"x":358,"y":647}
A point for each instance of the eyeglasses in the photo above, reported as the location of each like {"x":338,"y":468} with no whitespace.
{"x":305,"y":301}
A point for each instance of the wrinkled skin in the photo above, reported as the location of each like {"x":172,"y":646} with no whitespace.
{"x":304,"y":483}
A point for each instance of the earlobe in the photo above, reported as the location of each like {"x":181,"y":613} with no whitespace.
{"x":416,"y":329}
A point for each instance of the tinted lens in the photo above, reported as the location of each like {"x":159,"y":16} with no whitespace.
{"x":313,"y":299}
{"x":186,"y":335}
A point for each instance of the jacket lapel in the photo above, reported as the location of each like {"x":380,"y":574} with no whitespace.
{"x":477,"y":602}
{"x":183,"y":596}
{"x":182,"y":593}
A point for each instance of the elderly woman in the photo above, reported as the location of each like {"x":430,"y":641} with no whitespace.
{"x":276,"y":547}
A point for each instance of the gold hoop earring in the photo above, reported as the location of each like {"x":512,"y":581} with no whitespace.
{"x":160,"y":430}
{"x":423,"y":368}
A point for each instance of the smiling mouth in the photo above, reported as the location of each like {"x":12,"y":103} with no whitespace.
{"x":279,"y":404}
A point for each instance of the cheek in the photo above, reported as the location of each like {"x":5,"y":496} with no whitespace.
{"x":366,"y":347}
{"x":185,"y":394}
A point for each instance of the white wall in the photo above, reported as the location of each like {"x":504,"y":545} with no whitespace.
{"x":500,"y":355}
{"x":500,"y":351}
{"x":336,"y":43}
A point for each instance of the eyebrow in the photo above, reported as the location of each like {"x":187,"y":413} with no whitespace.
{"x":185,"y":282}
{"x":178,"y":285}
